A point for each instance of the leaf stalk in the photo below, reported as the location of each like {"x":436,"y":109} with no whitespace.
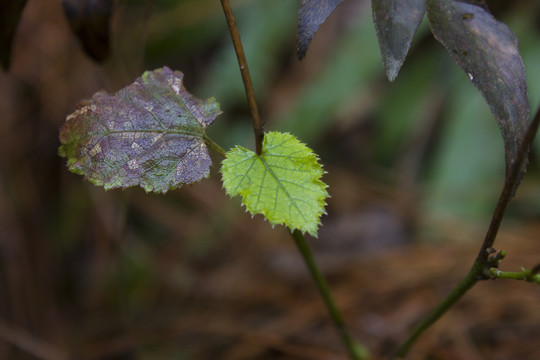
{"x":213,"y":145}
{"x":246,"y":77}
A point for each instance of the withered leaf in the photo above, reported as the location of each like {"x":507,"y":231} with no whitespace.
{"x":396,"y":22}
{"x":487,"y":50}
{"x":311,"y":15}
{"x":150,"y":133}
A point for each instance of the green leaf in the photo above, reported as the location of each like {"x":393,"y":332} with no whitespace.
{"x":396,"y":22}
{"x":150,"y":133}
{"x":283,"y":183}
{"x":487,"y":51}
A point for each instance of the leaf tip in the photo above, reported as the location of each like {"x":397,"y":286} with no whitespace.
{"x":392,"y":73}
{"x":311,"y":15}
{"x":392,"y":66}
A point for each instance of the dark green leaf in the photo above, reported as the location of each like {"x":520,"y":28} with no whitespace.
{"x":487,"y":50}
{"x":90,"y":21}
{"x":311,"y":15}
{"x":150,"y":133}
{"x":396,"y":22}
{"x":10,"y":13}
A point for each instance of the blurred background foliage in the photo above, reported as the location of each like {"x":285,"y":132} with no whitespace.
{"x":88,"y":274}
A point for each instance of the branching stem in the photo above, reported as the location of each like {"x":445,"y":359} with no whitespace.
{"x":246,"y":77}
{"x":356,"y":351}
{"x":510,"y":184}
{"x":524,"y":274}
{"x":482,"y":268}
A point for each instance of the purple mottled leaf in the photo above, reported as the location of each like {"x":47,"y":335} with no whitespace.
{"x":311,"y":15}
{"x":150,"y":133}
{"x":487,"y":50}
{"x":90,"y":21}
{"x":10,"y":14}
{"x":396,"y":22}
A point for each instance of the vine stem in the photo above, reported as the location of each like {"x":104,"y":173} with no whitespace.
{"x":524,"y":274}
{"x":356,"y":351}
{"x":482,"y":263}
{"x":467,"y":283}
{"x":246,"y":77}
{"x":510,"y":184}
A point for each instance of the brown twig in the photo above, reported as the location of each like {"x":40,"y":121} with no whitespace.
{"x":30,"y":344}
{"x":246,"y":77}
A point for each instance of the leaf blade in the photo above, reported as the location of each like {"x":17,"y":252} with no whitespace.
{"x":311,"y":15}
{"x":283,"y":184}
{"x":150,"y":133}
{"x":487,"y":51}
{"x":396,"y":22}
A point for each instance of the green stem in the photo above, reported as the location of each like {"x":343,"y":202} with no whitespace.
{"x":481,"y":269}
{"x":213,"y":145}
{"x":461,"y":289}
{"x":527,"y":275}
{"x":356,"y":351}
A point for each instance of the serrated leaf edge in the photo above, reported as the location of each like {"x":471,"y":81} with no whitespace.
{"x":308,"y":226}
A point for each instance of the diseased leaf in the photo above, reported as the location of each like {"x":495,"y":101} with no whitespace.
{"x":396,"y":22}
{"x":487,"y":50}
{"x":311,"y":15}
{"x":149,"y":133}
{"x":90,"y":21}
{"x":10,"y":13}
{"x":283,"y":183}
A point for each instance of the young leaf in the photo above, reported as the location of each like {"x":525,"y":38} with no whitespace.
{"x":487,"y":50}
{"x":149,"y":133}
{"x":311,"y":15}
{"x":10,"y":13}
{"x":396,"y":22}
{"x":283,"y":183}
